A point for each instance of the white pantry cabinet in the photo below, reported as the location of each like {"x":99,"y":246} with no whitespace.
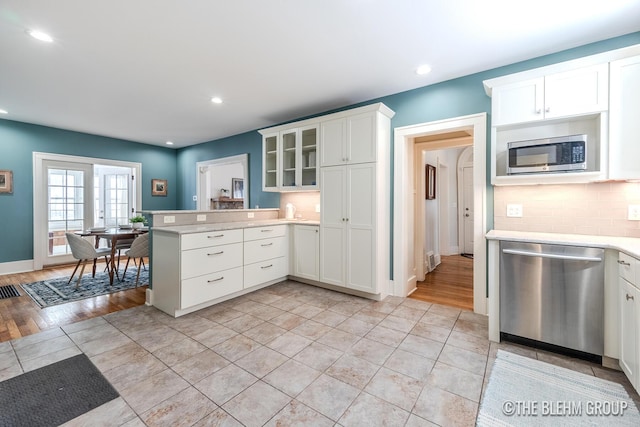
{"x":354,"y":199}
{"x":306,"y":251}
{"x":624,"y":125}
{"x":629,"y":270}
{"x":349,"y":240}
{"x":570,"y":93}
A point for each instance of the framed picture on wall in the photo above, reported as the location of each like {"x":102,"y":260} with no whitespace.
{"x":430,"y":182}
{"x":237,"y":188}
{"x":158,"y":187}
{"x":6,"y":181}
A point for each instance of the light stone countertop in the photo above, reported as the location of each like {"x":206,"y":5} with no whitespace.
{"x":200,"y":228}
{"x":628,"y":245}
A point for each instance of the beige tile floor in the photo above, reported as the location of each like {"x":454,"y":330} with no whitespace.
{"x":287,"y":355}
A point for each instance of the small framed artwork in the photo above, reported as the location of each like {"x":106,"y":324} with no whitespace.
{"x":6,"y":181}
{"x":158,"y":187}
{"x":237,"y":187}
{"x":431,"y":182}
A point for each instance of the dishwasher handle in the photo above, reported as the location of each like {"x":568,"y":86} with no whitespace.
{"x":552,"y":256}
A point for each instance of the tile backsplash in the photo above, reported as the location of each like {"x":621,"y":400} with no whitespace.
{"x":305,"y":204}
{"x":595,"y":209}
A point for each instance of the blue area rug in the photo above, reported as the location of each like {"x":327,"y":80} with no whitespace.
{"x":56,"y":291}
{"x":527,"y":392}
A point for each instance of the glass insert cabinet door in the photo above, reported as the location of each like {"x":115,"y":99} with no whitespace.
{"x":309,"y":150}
{"x":289,"y":157}
{"x":270,"y":158}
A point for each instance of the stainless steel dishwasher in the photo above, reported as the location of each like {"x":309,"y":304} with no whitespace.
{"x":553,"y":294}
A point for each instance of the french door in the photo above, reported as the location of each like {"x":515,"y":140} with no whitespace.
{"x":76,"y":193}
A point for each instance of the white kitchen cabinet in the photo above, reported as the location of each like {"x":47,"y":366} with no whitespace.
{"x":348,"y":140}
{"x":194,"y":270}
{"x":289,"y":159}
{"x":624,"y":126}
{"x":629,"y":270}
{"x":270,"y":162}
{"x":265,"y":255}
{"x":348,"y":239}
{"x":570,"y":93}
{"x":306,"y":251}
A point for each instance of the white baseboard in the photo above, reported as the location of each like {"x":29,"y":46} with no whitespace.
{"x":16,"y":267}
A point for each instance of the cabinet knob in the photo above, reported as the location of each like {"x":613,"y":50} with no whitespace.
{"x":547,"y":109}
{"x":621,"y":262}
{"x":629,"y":297}
{"x":538,"y":111}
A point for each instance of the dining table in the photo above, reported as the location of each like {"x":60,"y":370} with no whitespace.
{"x":113,"y":235}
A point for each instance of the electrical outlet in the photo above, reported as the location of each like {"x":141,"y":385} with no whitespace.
{"x":201,"y":217}
{"x":634,"y":213}
{"x":250,"y":215}
{"x":514,"y":211}
{"x":169,"y":219}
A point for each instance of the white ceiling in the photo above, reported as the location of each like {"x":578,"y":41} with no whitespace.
{"x":145,"y":70}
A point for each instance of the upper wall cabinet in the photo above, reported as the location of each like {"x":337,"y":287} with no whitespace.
{"x":624,"y":125}
{"x":575,"y":92}
{"x":348,"y":140}
{"x":289,"y":159}
{"x":293,"y":153}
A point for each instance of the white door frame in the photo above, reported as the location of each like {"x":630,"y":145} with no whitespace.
{"x":40,"y":211}
{"x":404,"y":269}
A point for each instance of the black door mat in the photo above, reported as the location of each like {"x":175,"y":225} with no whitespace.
{"x":8,"y":291}
{"x":54,"y":394}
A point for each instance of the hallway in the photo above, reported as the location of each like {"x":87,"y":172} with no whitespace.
{"x":451,"y":283}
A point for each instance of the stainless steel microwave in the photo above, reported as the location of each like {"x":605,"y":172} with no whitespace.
{"x":559,"y":154}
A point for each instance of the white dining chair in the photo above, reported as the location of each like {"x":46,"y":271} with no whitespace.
{"x":84,"y":251}
{"x":139,"y":249}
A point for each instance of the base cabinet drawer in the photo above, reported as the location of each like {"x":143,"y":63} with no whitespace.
{"x":264,"y":232}
{"x":210,"y":238}
{"x":260,"y":250}
{"x":201,"y":289}
{"x":197,"y":262}
{"x":265,"y":271}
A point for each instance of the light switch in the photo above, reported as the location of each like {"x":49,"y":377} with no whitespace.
{"x":514,"y":211}
{"x":318,"y":207}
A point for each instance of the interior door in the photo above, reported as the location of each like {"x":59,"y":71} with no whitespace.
{"x":68,"y":200}
{"x":467,"y":213}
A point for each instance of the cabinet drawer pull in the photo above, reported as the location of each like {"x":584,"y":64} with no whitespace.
{"x":621,"y":262}
{"x":267,"y":266}
{"x":215,"y":237}
{"x":216,"y":253}
{"x":630,"y":297}
{"x":266,"y":231}
{"x":215,"y":280}
{"x":267,"y":244}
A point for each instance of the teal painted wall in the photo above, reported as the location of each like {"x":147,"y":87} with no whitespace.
{"x":19,"y":140}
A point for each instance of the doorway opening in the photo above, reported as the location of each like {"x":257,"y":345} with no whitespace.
{"x":408,"y":259}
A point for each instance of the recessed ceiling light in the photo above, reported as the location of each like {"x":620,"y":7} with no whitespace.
{"x":3,"y":111}
{"x":216,"y":100}
{"x":423,"y":69}
{"x":39,"y":35}
{"x":169,"y":143}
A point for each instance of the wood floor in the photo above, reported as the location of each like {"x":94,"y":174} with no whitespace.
{"x":451,"y":283}
{"x":21,"y":316}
